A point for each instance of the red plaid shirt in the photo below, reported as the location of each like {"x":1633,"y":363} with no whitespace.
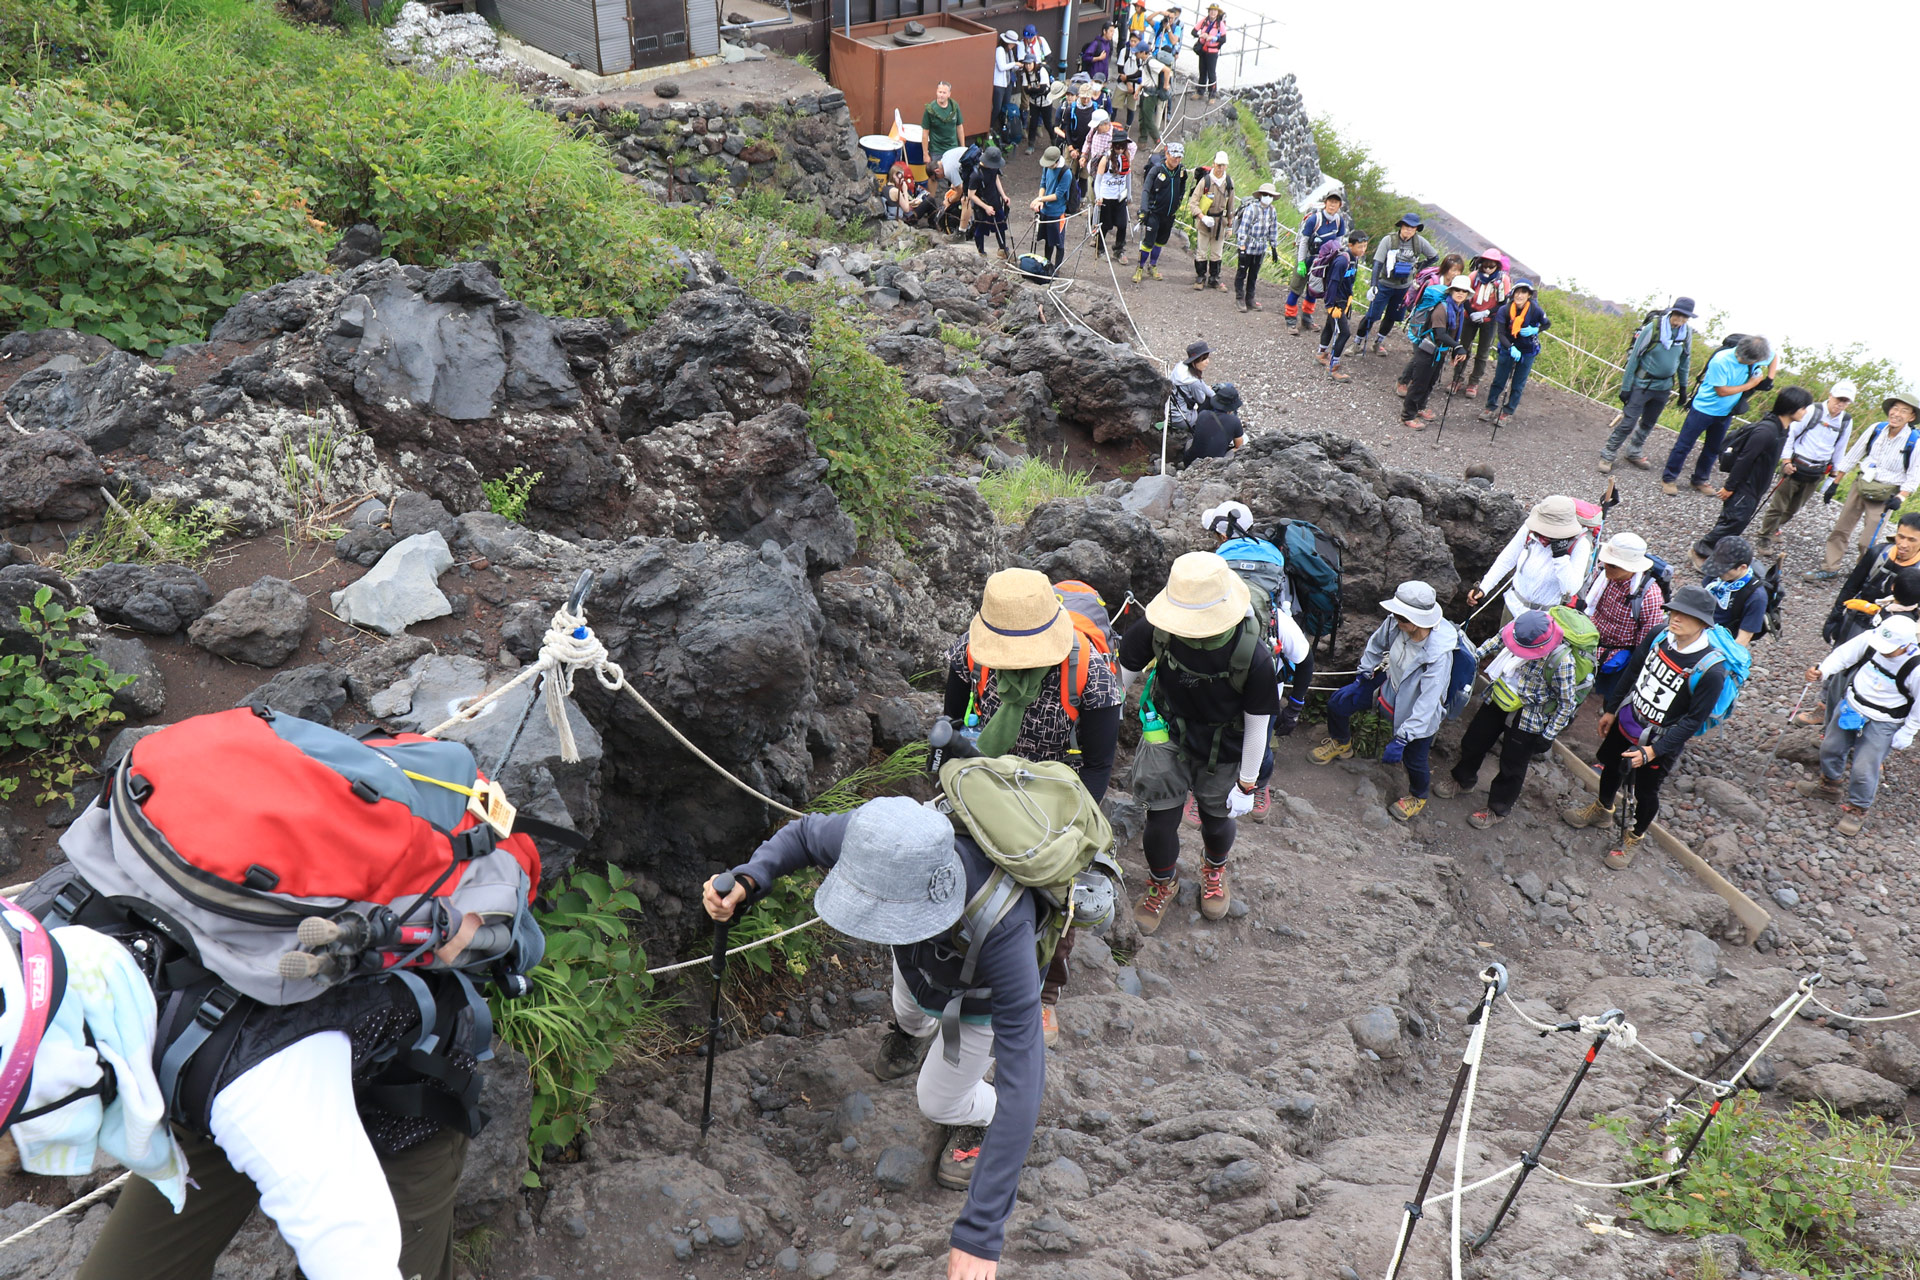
{"x":1612,"y":614}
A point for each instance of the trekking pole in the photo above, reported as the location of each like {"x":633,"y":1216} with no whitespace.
{"x":1807,"y":983}
{"x":1443,"y":412}
{"x":575,"y":602}
{"x":1494,"y":978}
{"x":1609,"y":1021}
{"x":1774,"y":755}
{"x":722,"y":885}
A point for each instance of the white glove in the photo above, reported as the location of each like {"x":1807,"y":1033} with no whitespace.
{"x":1903,"y":740}
{"x":1239,"y":803}
{"x":1480,"y":317}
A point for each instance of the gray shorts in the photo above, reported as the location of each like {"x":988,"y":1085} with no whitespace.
{"x":1164,"y":775}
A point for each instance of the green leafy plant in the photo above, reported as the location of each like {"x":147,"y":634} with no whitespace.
{"x":955,"y":336}
{"x":48,"y":37}
{"x":1015,"y":493}
{"x":151,"y":532}
{"x":590,"y":995}
{"x":1790,"y":1183}
{"x":53,"y":703}
{"x":878,"y":440}
{"x":508,"y":495}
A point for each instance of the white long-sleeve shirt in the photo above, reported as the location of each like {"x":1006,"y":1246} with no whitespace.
{"x":1005,"y":63}
{"x":290,"y":1124}
{"x":1877,"y":683}
{"x":1878,"y":454}
{"x":1540,"y":578}
{"x":1821,"y":437}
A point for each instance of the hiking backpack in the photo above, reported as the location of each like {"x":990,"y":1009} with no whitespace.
{"x":1906,"y":452}
{"x":1036,"y":268}
{"x":1739,"y":405}
{"x":1263,"y":567}
{"x":1896,"y":712}
{"x":1042,"y":830}
{"x":1584,"y":639}
{"x":1093,"y":641}
{"x":1323,"y":264}
{"x":1776,"y":591}
{"x":1465,"y":665}
{"x":1726,"y":652}
{"x":1313,"y":560}
{"x":1662,"y":573}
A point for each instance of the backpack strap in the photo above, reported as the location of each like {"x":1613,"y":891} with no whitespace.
{"x":982,"y":915}
{"x":208,"y":1015}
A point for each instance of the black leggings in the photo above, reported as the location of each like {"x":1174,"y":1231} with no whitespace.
{"x":1246,"y":275}
{"x":1162,"y":840}
{"x":1647,"y":780}
{"x":1333,"y":337}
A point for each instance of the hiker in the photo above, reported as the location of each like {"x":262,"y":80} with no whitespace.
{"x":1627,"y":603}
{"x":1756,"y":451}
{"x":1231,"y":524}
{"x":1129,"y":76}
{"x":1328,"y":223}
{"x":941,"y":122}
{"x":1162,"y":190}
{"x":906,"y":200}
{"x":1209,"y":35}
{"x":1547,"y":558}
{"x":1072,"y":125}
{"x":1050,"y":206}
{"x":1166,"y":34}
{"x":988,"y":196}
{"x":1006,"y":69}
{"x":1156,"y":91}
{"x":1877,"y":710}
{"x":1036,"y":86}
{"x":1023,"y":656}
{"x":898,"y":874}
{"x":1658,"y":363}
{"x":1488,"y":293}
{"x":1436,"y":333}
{"x":1813,"y":451}
{"x":1872,"y":580}
{"x":1517,"y":325}
{"x":1034,"y":46}
{"x":1739,"y":593}
{"x":1111,"y":154}
{"x":1399,"y":258}
{"x":1217,"y":696}
{"x":1405,"y":670}
{"x":1532,"y":692}
{"x":1096,"y":55}
{"x":1430,"y":285}
{"x":1748,"y":365}
{"x":1216,"y":429}
{"x":1885,"y":455}
{"x":1669,"y":688}
{"x":1256,"y":229}
{"x":1212,"y":209}
{"x":1342,"y":276}
{"x":1190,"y":392}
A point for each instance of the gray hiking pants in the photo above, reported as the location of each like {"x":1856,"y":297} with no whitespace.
{"x":1868,"y":745}
{"x":1637,"y":420}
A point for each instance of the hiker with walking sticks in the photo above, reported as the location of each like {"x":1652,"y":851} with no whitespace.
{"x":1671,"y":688}
{"x":1436,"y":333}
{"x":1889,"y":470}
{"x":1876,"y":711}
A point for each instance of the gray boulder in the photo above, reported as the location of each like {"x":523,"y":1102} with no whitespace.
{"x":159,"y":599}
{"x":491,"y":1178}
{"x":146,"y":697}
{"x":19,"y":585}
{"x":103,"y":403}
{"x":313,"y":693}
{"x":261,"y":624}
{"x":715,"y":350}
{"x":1848,"y":1090}
{"x":400,"y":590}
{"x":1106,"y":387}
{"x":413,"y":513}
{"x":1731,"y":800}
{"x":49,"y":475}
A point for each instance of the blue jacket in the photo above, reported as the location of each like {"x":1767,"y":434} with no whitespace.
{"x":1055,"y":183}
{"x":1503,"y":325}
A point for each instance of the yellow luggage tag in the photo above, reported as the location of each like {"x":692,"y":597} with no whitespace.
{"x":487,"y":802}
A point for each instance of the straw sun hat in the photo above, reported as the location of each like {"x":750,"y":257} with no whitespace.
{"x":1021,"y":623}
{"x":1204,"y":597}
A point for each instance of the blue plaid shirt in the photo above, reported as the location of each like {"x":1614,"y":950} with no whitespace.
{"x":1256,"y":228}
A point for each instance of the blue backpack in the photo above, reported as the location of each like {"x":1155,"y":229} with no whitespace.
{"x":1460,"y":680}
{"x":1739,"y":664}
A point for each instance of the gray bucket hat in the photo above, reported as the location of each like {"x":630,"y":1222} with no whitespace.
{"x":1695,"y":602}
{"x":899,"y":878}
{"x":1416,"y":602}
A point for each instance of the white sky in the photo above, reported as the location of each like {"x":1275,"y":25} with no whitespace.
{"x":1774,"y":202}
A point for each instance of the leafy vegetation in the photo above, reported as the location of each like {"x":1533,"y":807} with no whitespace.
{"x":590,"y":995}
{"x":878,"y":441}
{"x":1015,"y":493}
{"x":54,"y":703}
{"x":1789,"y":1183}
{"x":151,"y":532}
{"x":48,"y":37}
{"x":508,"y":495}
{"x":964,"y":339}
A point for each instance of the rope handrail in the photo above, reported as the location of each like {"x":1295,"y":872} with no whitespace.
{"x":1548,"y":333}
{"x":85,"y":1201}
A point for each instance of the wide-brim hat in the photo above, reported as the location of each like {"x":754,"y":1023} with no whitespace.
{"x":1266,"y":189}
{"x":1695,"y":602}
{"x":1538,"y":624}
{"x":1050,"y":157}
{"x":1555,"y":517}
{"x":1057,"y":90}
{"x":1021,"y":623}
{"x":1683,"y":305}
{"x":992,"y":159}
{"x":1908,"y":398}
{"x":899,"y":879}
{"x":1203,"y":597}
{"x":1416,"y":602}
{"x":1626,"y":551}
{"x":1894,"y":633}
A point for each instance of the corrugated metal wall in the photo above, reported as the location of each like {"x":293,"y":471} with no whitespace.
{"x":616,"y":37}
{"x":703,"y":28}
{"x":566,"y":29}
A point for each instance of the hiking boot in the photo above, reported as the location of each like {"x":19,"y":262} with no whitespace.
{"x":1812,"y":717}
{"x":1669,"y":488}
{"x":1502,"y":418}
{"x":1407,"y":808}
{"x":1486,"y":415}
{"x":1199,"y":284}
{"x":1473,"y":389}
{"x":1622,"y":858}
{"x":1153,"y":904}
{"x":1287,"y":721}
{"x":1337,"y":374}
{"x":1380,"y":349}
{"x":1293,"y":328}
{"x":1704,"y":487}
{"x":1328,"y":751}
{"x":1139,"y":274}
{"x":1155,"y":273}
{"x":1262,"y":804}
{"x":1822,"y":788}
{"x":1445,"y":788}
{"x":1605,"y":468}
{"x":1640,"y":461}
{"x":1192,"y":812}
{"x":1241,"y":305}
{"x":1851,"y":820}
{"x":1320,"y":356}
{"x":1215,"y":897}
{"x":1257,"y":307}
{"x":1484,"y":818}
{"x":1591,"y":814}
{"x":1400,"y":388}
{"x":1821,"y":575}
{"x":1215,"y":282}
{"x":1414,"y":424}
{"x":900,"y":1053}
{"x":1049,"y":1026}
{"x":958,"y":1155}
{"x":1426,"y":415}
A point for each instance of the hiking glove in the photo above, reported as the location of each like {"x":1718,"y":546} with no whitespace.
{"x":1239,"y":803}
{"x":1480,"y":317}
{"x":1903,"y":740}
{"x":1393,"y":752}
{"x":1530,"y":331}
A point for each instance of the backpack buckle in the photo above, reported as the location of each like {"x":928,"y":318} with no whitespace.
{"x":214,"y":1009}
{"x":69,"y":902}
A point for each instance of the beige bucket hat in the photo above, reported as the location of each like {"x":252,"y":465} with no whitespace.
{"x":1203,"y":598}
{"x":1555,"y":517}
{"x":1021,"y":623}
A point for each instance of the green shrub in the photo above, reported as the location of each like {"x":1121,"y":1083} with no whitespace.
{"x":590,"y":995}
{"x":1015,"y":493}
{"x":1789,"y":1183}
{"x":48,"y":37}
{"x":878,"y":441}
{"x":131,"y":233}
{"x":53,"y":703}
{"x":955,"y":336}
{"x":152,"y":532}
{"x":508,"y":495}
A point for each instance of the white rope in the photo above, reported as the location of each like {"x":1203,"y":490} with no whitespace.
{"x":1476,"y":1045}
{"x":1856,"y":1017}
{"x":99,"y":1193}
{"x":1583,"y":351}
{"x":688,"y":964}
{"x":1471,"y":1186}
{"x":1608,"y":1186}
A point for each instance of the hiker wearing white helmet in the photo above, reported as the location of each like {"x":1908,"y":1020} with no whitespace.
{"x":1547,"y":559}
{"x":1211,"y":208}
{"x":1815,"y":445}
{"x":1879,"y":711}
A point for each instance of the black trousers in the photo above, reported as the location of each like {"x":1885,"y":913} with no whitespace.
{"x":1245,"y":275}
{"x":1113,"y":217}
{"x":1736,"y":513}
{"x":1334,"y":335}
{"x":1647,"y":779}
{"x":1420,"y":374}
{"x":1161,"y":840}
{"x":1488,"y":726}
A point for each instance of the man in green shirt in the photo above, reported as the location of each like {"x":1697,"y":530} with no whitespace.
{"x":941,"y":120}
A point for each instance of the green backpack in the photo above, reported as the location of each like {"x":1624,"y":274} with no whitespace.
{"x":1040,"y":828}
{"x":1584,"y":638}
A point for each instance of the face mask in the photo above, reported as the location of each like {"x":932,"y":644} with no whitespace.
{"x":1266,"y":200}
